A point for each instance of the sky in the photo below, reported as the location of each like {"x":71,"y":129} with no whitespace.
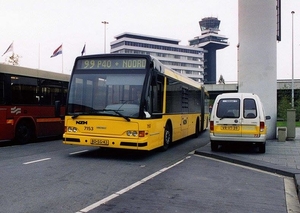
{"x":38,"y":27}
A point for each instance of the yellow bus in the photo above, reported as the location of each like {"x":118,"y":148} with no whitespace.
{"x":131,"y":101}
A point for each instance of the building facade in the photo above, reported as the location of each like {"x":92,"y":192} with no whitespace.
{"x":186,"y":60}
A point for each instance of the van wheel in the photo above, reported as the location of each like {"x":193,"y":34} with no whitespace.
{"x":214,"y":146}
{"x":262,"y":148}
{"x":167,"y":137}
{"x":24,"y":132}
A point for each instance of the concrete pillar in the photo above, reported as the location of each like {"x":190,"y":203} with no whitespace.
{"x":257,"y":54}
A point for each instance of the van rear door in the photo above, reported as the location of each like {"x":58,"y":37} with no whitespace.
{"x":228,"y":120}
{"x":250,"y":120}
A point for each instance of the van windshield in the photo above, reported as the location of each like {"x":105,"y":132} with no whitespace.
{"x":228,"y":108}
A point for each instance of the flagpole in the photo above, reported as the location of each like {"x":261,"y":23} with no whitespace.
{"x":62,"y":60}
{"x":39,"y":56}
{"x":62,"y":63}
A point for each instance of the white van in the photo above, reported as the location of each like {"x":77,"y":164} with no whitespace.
{"x":238,"y":117}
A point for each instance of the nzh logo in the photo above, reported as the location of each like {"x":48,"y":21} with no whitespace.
{"x":15,"y":110}
{"x":81,"y":122}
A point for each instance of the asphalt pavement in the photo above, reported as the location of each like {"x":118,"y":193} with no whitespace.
{"x":203,"y":183}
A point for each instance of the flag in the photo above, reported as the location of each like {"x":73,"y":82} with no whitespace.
{"x":9,"y":49}
{"x":57,"y":51}
{"x":83,"y":50}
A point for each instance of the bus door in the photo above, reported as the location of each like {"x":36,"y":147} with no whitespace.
{"x":184,"y":109}
{"x":155,"y":107}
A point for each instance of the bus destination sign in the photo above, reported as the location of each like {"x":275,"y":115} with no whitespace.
{"x":106,"y":63}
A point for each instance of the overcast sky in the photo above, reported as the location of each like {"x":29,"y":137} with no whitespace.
{"x":38,"y":27}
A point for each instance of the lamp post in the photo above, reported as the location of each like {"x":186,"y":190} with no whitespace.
{"x":291,"y":113}
{"x":292,"y":59}
{"x":105,"y":23}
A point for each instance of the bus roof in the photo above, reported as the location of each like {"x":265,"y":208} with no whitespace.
{"x":173,"y":74}
{"x":28,"y":72}
{"x":165,"y":70}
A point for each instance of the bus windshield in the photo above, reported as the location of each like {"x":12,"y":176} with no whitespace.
{"x":105,"y":92}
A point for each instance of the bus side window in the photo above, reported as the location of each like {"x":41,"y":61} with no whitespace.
{"x":1,"y":91}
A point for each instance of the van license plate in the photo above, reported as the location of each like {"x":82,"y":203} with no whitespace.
{"x":233,"y":128}
{"x":99,"y":142}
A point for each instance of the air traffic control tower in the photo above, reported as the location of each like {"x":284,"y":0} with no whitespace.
{"x":210,"y":41}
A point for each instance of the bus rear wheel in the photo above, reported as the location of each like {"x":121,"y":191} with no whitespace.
{"x":24,"y":132}
{"x":197,"y":131}
{"x":167,"y":137}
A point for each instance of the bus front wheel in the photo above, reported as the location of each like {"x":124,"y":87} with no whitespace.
{"x":24,"y":132}
{"x":167,"y":137}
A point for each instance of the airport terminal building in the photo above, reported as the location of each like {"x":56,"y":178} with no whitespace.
{"x":186,"y":60}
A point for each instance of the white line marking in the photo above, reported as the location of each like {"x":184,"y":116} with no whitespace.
{"x":36,"y":161}
{"x":74,"y":153}
{"x":128,"y":188}
{"x":239,"y":165}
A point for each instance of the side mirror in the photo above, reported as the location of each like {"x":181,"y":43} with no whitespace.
{"x":147,"y":114}
{"x":268,"y":117}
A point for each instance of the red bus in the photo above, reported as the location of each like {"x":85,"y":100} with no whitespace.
{"x":27,"y":103}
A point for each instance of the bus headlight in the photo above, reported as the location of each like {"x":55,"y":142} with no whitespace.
{"x":72,"y":129}
{"x":131,"y":133}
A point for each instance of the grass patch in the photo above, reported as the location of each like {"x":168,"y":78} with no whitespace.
{"x":283,"y":123}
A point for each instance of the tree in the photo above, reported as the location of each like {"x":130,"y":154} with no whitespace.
{"x":282,"y":106}
{"x":14,"y":59}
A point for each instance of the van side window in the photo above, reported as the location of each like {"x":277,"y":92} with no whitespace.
{"x":250,"y":110}
{"x":228,"y":108}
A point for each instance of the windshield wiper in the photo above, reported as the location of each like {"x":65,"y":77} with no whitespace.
{"x":96,"y":112}
{"x":75,"y":115}
{"x":117,"y":112}
{"x":92,"y":112}
{"x":226,"y":116}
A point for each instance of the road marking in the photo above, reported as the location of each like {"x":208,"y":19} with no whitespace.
{"x":128,"y":188}
{"x":36,"y":161}
{"x":74,"y":153}
{"x":239,"y":165}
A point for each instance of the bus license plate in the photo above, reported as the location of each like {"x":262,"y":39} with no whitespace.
{"x":99,"y":142}
{"x":233,"y":128}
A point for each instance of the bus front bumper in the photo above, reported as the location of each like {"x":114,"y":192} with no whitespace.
{"x":121,"y":143}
